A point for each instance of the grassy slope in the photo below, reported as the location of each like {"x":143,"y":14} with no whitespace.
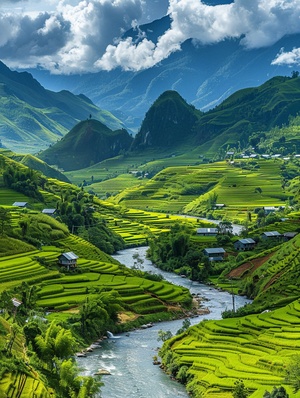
{"x":33,"y":117}
{"x":255,"y":349}
{"x":88,"y":142}
{"x":187,"y":189}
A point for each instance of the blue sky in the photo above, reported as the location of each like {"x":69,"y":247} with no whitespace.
{"x":78,"y":36}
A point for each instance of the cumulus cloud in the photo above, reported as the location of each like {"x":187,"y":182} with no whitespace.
{"x":287,"y":57}
{"x":257,"y":23}
{"x":69,"y":39}
{"x":85,"y":35}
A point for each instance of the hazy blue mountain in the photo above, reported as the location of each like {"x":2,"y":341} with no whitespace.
{"x":203,"y":75}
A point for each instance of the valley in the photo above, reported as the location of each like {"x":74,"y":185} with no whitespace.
{"x":177,"y":186}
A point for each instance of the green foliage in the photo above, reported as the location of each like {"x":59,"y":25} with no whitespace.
{"x":175,"y":251}
{"x":80,"y":147}
{"x":293,"y":372}
{"x":240,"y":391}
{"x":277,"y":392}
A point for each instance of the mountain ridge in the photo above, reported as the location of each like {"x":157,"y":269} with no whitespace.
{"x":32,"y":117}
{"x":203,"y":74}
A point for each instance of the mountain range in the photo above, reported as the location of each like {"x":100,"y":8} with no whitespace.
{"x":32,"y":117}
{"x":171,"y":124}
{"x":204,"y":75}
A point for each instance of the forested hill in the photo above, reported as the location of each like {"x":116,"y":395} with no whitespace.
{"x":88,"y":143}
{"x":171,"y":122}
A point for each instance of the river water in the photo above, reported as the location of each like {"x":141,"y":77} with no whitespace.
{"x":128,"y":357}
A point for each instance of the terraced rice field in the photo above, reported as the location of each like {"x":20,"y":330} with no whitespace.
{"x":138,"y":294}
{"x":255,"y":349}
{"x":25,"y":268}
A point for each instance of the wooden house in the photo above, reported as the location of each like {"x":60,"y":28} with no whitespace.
{"x":215,"y":253}
{"x":289,"y":235}
{"x":271,"y":235}
{"x":207,"y":231}
{"x":68,"y":260}
{"x":244,"y":244}
{"x":49,"y":212}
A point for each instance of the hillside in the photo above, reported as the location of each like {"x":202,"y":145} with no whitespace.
{"x":89,"y":142}
{"x":32,"y":117}
{"x":169,"y":122}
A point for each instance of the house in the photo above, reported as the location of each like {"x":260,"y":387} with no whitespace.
{"x":207,"y":231}
{"x":271,"y":235}
{"x":270,"y":209}
{"x":49,"y":212}
{"x":214,"y":253}
{"x":244,"y":244}
{"x":289,"y":235}
{"x":218,"y":206}
{"x":68,"y":260}
{"x":20,"y":204}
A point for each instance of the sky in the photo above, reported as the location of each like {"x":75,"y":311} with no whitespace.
{"x":81,"y":36}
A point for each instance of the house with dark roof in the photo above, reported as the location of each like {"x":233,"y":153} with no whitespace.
{"x":244,"y":244}
{"x":207,"y":231}
{"x":271,"y":235}
{"x":289,"y":235}
{"x":49,"y":212}
{"x":68,"y":260}
{"x":214,"y":253}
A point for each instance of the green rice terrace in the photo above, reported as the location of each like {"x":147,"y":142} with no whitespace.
{"x":241,"y":187}
{"x":254,"y":348}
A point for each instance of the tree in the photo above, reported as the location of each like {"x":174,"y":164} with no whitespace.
{"x":4,"y":219}
{"x":164,"y":335}
{"x":240,"y":391}
{"x":279,"y":392}
{"x":293,"y":373}
{"x":225,"y":227}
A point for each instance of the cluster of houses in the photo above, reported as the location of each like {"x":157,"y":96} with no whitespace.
{"x":245,"y":244}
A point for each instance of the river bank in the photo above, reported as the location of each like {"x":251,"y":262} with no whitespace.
{"x":129,"y":359}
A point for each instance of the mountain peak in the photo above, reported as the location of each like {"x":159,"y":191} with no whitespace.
{"x":168,"y":122}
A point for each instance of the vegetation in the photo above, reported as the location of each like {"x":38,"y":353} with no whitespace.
{"x":33,"y":117}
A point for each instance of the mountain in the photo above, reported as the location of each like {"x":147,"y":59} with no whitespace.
{"x":168,"y":123}
{"x":89,"y":142}
{"x":32,"y":117}
{"x":204,"y":75}
{"x":250,"y":110}
{"x":171,"y":122}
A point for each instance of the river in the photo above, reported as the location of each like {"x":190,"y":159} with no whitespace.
{"x":129,"y":356}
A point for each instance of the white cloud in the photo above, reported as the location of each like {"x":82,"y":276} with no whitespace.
{"x":287,"y":58}
{"x":84,"y":35}
{"x":258,"y":23}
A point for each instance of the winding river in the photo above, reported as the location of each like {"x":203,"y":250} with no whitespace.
{"x":128,"y":357}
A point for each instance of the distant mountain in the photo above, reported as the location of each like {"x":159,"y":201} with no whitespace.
{"x":250,"y":110}
{"x":89,"y":142}
{"x":32,"y":117}
{"x":169,"y":122}
{"x":204,"y":75}
{"x":172,"y":123}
